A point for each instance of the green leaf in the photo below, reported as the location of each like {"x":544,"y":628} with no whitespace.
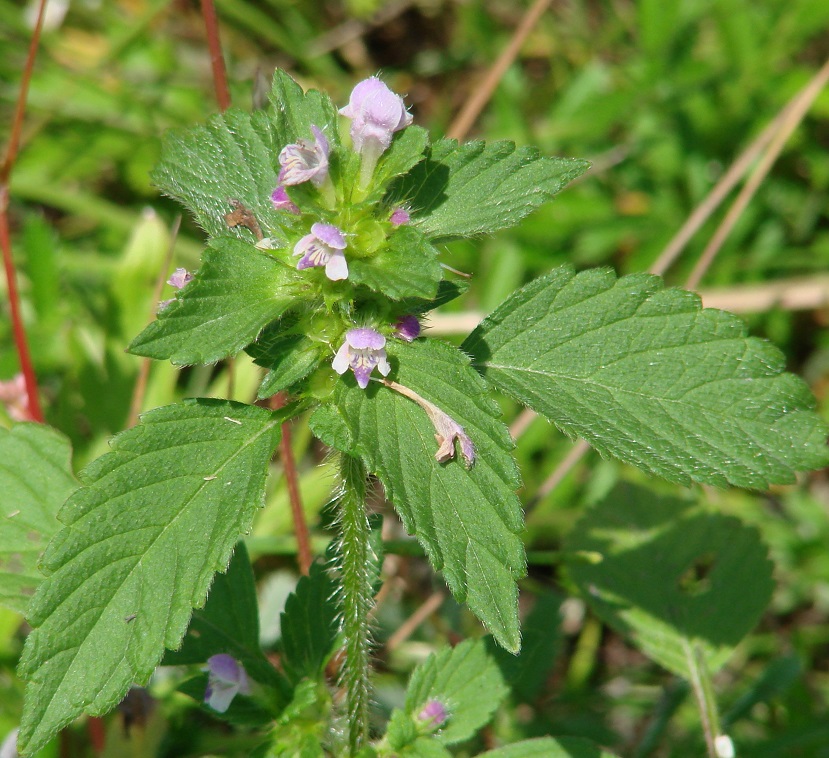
{"x":290,"y":358}
{"x":237,"y":291}
{"x":234,"y":157}
{"x":310,"y":624}
{"x":406,"y":150}
{"x":644,"y":374}
{"x":228,"y":623}
{"x":468,"y":520}
{"x":35,"y":479}
{"x":157,"y":517}
{"x":406,"y":267}
{"x":293,"y":112}
{"x":548,"y":747}
{"x":466,"y":681}
{"x":475,"y":188}
{"x":527,"y":672}
{"x":674,"y":578}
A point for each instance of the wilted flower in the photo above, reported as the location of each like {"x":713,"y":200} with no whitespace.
{"x":179,"y":278}
{"x":399,"y":217}
{"x":304,"y":161}
{"x":323,"y":247}
{"x":362,"y":350}
{"x":14,"y":396}
{"x":226,"y":677}
{"x":376,"y":113}
{"x":407,"y":328}
{"x":433,"y":714}
{"x":281,"y":201}
{"x":447,"y":430}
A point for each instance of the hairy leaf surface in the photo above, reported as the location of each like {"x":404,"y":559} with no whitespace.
{"x":234,"y":157}
{"x":467,"y":520}
{"x":157,"y":517}
{"x":646,"y":375}
{"x":478,"y":188}
{"x":234,"y":295}
{"x":35,"y":480}
{"x":679,"y":580}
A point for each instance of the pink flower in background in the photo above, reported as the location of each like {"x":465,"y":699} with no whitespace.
{"x":14,"y":396}
{"x":433,"y":714}
{"x":226,"y":678}
{"x":364,"y":350}
{"x":323,"y":247}
{"x":304,"y":161}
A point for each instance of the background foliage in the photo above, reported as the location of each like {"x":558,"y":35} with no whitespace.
{"x":661,"y":95}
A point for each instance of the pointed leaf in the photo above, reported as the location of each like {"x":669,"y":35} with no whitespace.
{"x":467,"y":520}
{"x":293,"y":112}
{"x":228,"y":623}
{"x":475,"y":188}
{"x":468,"y":684}
{"x":237,"y":291}
{"x":310,"y":624}
{"x":674,"y":577}
{"x":159,"y":515}
{"x":406,"y":150}
{"x":35,"y":480}
{"x":646,"y":375}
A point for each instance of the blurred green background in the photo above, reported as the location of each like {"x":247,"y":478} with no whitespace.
{"x":661,"y":95}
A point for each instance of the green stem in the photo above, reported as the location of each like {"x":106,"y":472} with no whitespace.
{"x":353,"y":554}
{"x":704,"y":694}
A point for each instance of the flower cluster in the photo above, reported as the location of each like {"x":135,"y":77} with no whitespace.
{"x":376,"y":114}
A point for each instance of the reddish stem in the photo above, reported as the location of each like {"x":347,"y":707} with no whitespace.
{"x":217,"y":60}
{"x":303,"y":539}
{"x":20,"y":341}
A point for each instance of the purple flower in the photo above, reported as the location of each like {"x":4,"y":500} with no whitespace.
{"x":304,"y":161}
{"x":362,"y":350}
{"x":407,"y":328}
{"x":179,"y":278}
{"x":376,"y":113}
{"x":323,"y":247}
{"x":399,"y":217}
{"x":226,"y":677}
{"x":281,"y":201}
{"x":433,"y":714}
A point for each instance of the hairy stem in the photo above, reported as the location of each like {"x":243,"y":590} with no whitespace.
{"x":354,"y":553}
{"x":704,"y":694}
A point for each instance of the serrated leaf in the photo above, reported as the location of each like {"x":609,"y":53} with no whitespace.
{"x":548,"y":747}
{"x":157,"y":517}
{"x":407,"y":267}
{"x":237,"y":291}
{"x":405,"y":151}
{"x":35,"y":480}
{"x":310,"y":625}
{"x":229,"y":623}
{"x":468,"y":521}
{"x":674,"y":578}
{"x":468,"y":684}
{"x":478,"y":188}
{"x":645,"y":374}
{"x":234,"y":157}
